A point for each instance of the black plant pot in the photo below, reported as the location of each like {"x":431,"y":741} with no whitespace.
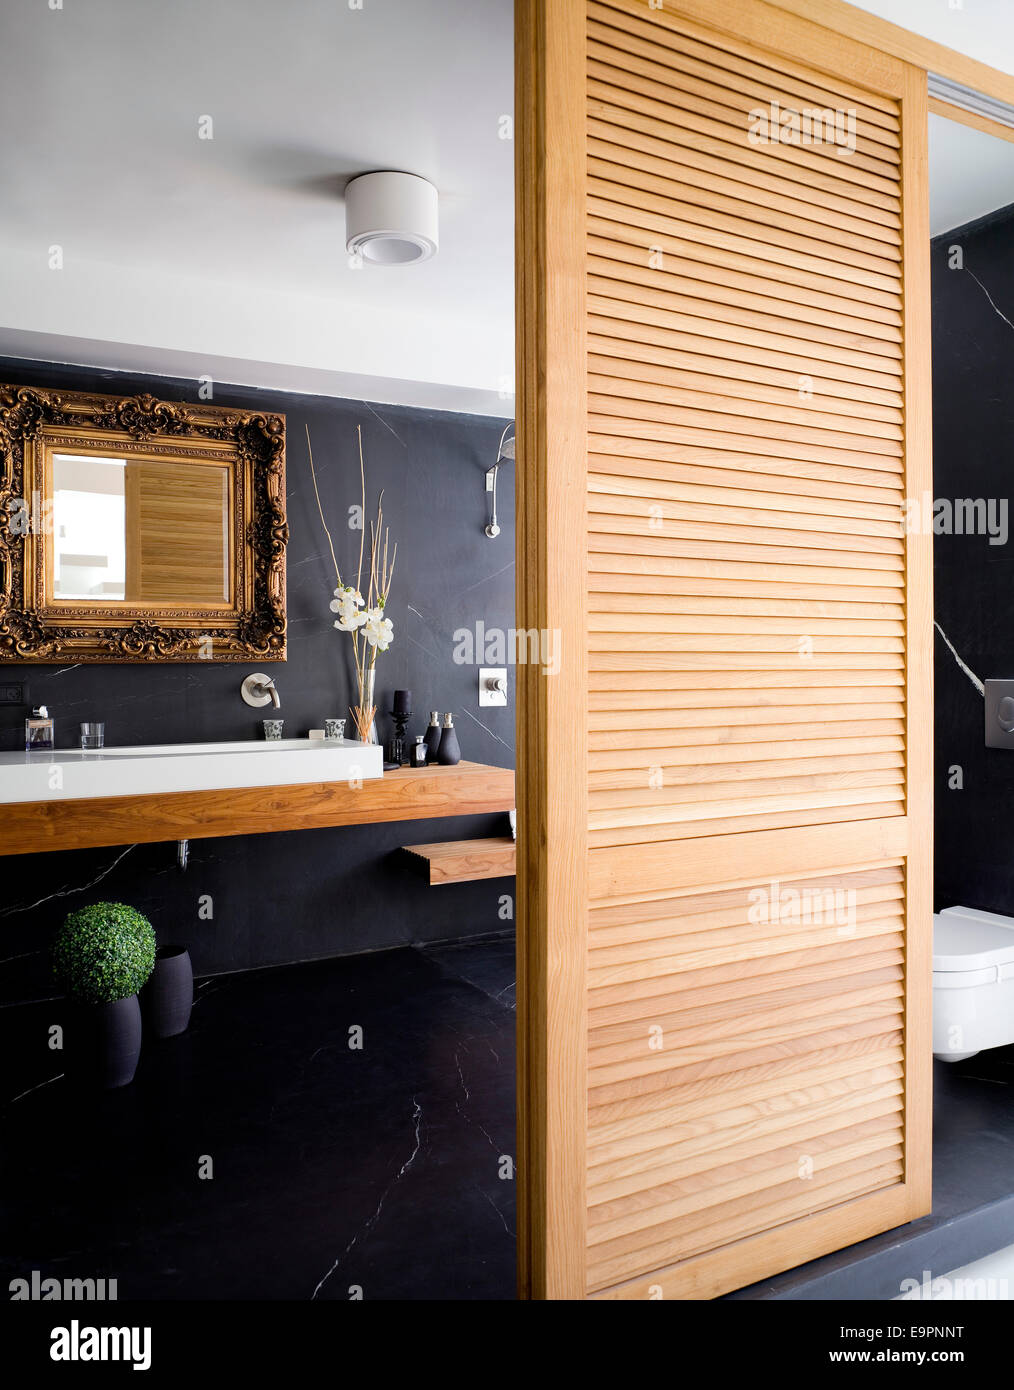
{"x":168,"y":996}
{"x":104,"y":1042}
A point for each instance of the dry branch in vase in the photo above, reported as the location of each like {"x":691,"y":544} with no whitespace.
{"x":363,"y":617}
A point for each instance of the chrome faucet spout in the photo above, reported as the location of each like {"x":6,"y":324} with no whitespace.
{"x":257,"y":689}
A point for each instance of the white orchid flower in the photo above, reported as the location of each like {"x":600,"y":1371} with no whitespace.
{"x":345,"y":596}
{"x":378,"y":630}
{"x":348,"y":603}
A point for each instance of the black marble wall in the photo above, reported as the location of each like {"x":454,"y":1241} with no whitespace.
{"x":298,"y":895}
{"x":973,"y":442}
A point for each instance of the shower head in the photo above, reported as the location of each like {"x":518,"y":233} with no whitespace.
{"x":507,"y":450}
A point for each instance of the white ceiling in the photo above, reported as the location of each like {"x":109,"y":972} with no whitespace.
{"x":230,"y":252}
{"x":982,"y":29}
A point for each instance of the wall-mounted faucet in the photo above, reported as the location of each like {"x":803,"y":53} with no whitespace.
{"x":259,"y":690}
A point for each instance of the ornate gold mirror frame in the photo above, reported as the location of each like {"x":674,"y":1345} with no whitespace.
{"x":250,"y":446}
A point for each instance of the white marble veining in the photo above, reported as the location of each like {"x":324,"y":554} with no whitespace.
{"x":961,"y":664}
{"x":69,"y":774}
{"x":372,"y":1221}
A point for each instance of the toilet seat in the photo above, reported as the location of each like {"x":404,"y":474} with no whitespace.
{"x":964,"y":938}
{"x":973,"y":982}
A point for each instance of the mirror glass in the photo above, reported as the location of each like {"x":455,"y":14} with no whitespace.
{"x":135,"y":530}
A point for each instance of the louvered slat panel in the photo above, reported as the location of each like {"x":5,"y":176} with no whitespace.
{"x":747,"y":640}
{"x":669,"y":1176}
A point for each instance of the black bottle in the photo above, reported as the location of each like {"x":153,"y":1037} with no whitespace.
{"x":433,"y":736}
{"x":449,"y":752}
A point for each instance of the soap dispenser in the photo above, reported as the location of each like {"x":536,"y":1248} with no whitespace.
{"x":39,"y":731}
{"x":433,"y":736}
{"x":449,"y":752}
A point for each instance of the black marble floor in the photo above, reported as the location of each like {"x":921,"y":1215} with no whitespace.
{"x":330,"y":1168}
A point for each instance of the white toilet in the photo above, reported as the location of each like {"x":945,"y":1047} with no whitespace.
{"x":973,"y":982}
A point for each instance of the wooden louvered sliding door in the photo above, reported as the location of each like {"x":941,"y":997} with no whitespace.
{"x":724,"y":773}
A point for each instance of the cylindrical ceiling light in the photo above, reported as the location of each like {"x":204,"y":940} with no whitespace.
{"x":391,"y":219}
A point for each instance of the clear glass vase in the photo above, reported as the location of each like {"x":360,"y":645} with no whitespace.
{"x":366,"y":697}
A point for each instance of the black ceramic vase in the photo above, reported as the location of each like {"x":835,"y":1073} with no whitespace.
{"x":104,"y":1042}
{"x":433,"y":737}
{"x":168,"y":996}
{"x":449,"y":752}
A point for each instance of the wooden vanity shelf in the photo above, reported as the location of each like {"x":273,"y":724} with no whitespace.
{"x":461,"y":861}
{"x":469,"y":789}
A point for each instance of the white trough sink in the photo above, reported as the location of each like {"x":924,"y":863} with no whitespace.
{"x":71,"y":774}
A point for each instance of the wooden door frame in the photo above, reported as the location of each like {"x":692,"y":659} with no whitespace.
{"x":920,"y":52}
{"x":552,"y":892}
{"x":552,"y":885}
{"x":984,"y":124}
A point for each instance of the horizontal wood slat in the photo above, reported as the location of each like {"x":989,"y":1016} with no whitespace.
{"x":614,"y":707}
{"x":692,"y":485}
{"x":662,"y":519}
{"x":790,"y":573}
{"x":642,"y":743}
{"x":654,"y":837}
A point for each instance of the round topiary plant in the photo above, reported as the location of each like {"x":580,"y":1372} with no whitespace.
{"x":104,"y":952}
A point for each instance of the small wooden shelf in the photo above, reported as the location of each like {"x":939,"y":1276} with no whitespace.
{"x":425,"y":793}
{"x":461,"y":861}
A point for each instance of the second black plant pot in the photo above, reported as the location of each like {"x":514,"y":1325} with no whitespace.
{"x":168,"y":996}
{"x":104,"y":1042}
